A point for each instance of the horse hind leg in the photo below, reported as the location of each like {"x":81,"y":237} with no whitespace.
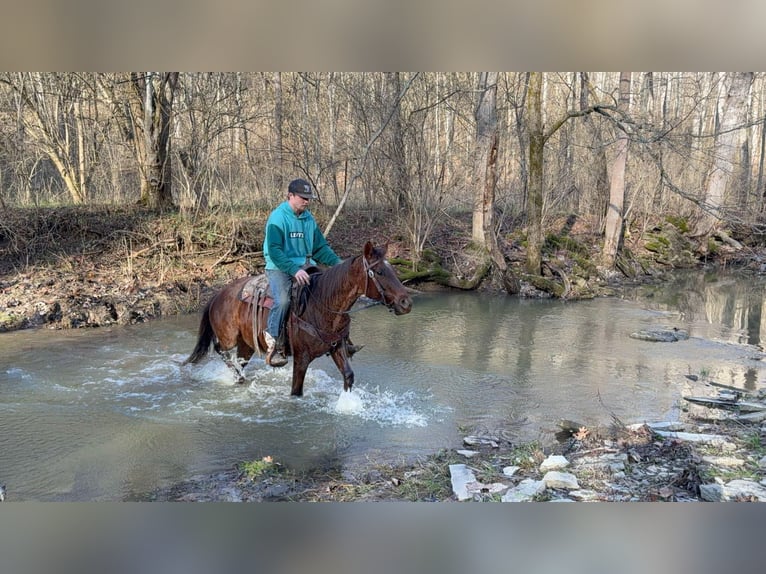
{"x":230,"y":358}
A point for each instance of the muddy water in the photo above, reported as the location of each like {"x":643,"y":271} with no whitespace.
{"x":111,"y":414}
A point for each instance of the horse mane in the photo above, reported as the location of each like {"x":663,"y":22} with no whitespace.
{"x":330,"y":281}
{"x":333,"y":281}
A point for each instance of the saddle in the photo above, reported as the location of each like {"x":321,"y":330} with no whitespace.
{"x":256,"y":292}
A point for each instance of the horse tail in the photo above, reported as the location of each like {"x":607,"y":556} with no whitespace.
{"x":205,"y":337}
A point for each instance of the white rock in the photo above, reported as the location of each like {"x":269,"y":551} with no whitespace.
{"x":510,"y":470}
{"x":525,"y":491}
{"x":743,"y":488}
{"x":693,"y":437}
{"x":480,"y":487}
{"x":461,"y":476}
{"x":565,"y":480}
{"x":584,"y":495}
{"x":554,"y":462}
{"x":468,"y":453}
{"x":727,"y":461}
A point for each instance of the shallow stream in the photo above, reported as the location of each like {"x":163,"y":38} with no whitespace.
{"x":111,"y":413}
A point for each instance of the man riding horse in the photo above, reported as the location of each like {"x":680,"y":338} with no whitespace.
{"x":292,"y":241}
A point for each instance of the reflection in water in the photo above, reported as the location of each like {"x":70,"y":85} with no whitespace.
{"x":111,"y":414}
{"x":731,"y":303}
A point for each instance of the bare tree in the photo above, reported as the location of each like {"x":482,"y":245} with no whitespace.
{"x":733,"y":115}
{"x":53,"y":117}
{"x":152,"y":115}
{"x":614,"y":212}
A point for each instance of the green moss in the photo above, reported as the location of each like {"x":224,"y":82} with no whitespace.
{"x":657,"y":244}
{"x":8,"y":321}
{"x":554,"y":242}
{"x":680,"y":223}
{"x":545,"y":284}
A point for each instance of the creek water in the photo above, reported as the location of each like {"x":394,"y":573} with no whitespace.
{"x":112,"y":414}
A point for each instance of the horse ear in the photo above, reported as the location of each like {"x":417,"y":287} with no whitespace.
{"x":368,"y":248}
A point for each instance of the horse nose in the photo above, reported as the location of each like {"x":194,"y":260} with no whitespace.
{"x":405,"y":303}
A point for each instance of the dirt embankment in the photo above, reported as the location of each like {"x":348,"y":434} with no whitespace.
{"x":75,"y":267}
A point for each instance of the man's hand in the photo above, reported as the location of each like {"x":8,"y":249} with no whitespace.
{"x":301,"y":277}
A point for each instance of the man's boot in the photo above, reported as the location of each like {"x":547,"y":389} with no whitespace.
{"x":274,"y":357}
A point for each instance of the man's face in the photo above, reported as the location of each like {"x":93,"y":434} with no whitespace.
{"x":298,"y":203}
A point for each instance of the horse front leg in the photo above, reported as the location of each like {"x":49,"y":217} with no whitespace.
{"x":341,"y":359}
{"x":300,"y":366}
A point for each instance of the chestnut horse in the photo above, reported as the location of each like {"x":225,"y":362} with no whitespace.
{"x":318,"y":322}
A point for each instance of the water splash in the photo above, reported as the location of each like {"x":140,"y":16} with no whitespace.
{"x":349,"y":402}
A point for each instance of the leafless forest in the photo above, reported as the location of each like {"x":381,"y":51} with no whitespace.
{"x":619,"y":150}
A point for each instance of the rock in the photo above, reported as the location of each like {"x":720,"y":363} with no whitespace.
{"x":614,"y":462}
{"x":481,"y":441}
{"x":562,"y":480}
{"x":481,"y":488}
{"x":468,"y":453}
{"x":554,"y":462}
{"x":661,"y":335}
{"x":665,"y":426}
{"x":584,"y":495}
{"x":727,"y":461}
{"x":461,"y":476}
{"x":510,"y":470}
{"x":741,"y":489}
{"x":713,"y":439}
{"x":525,"y":491}
{"x":711,"y":492}
{"x":738,"y":489}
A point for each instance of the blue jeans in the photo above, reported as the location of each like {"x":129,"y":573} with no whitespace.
{"x":280,"y":283}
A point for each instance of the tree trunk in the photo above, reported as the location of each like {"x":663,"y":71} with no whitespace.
{"x":400,"y":176}
{"x":485,"y":169}
{"x":278,"y":129}
{"x":535,"y":188}
{"x":724,"y":149}
{"x":154,"y":152}
{"x":614,"y":212}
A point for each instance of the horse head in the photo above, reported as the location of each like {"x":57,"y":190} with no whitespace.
{"x":382,"y":283}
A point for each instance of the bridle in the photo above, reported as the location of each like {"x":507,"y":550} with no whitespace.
{"x":370,"y":274}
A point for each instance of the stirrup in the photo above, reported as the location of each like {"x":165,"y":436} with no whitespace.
{"x":276,"y":358}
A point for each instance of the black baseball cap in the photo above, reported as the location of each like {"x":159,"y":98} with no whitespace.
{"x":302,"y":188}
